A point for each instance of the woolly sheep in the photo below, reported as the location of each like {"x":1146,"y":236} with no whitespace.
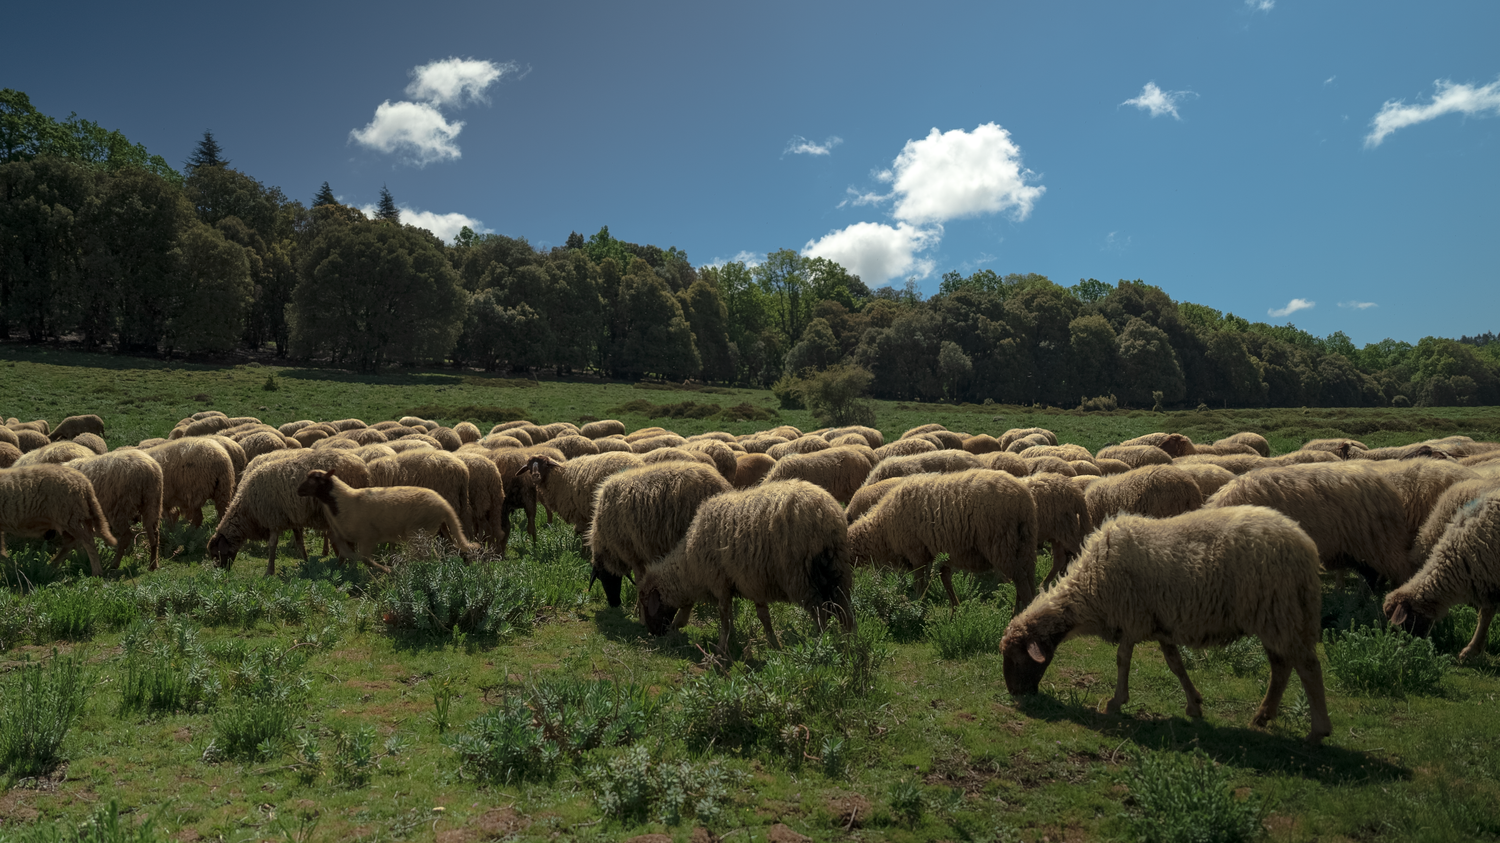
{"x":261,"y":443}
{"x":1338,"y":447}
{"x":437,"y":470}
{"x":486,"y":499}
{"x":568,"y":488}
{"x":561,"y":428}
{"x":663,"y":455}
{"x":38,"y":426}
{"x":128,"y":485}
{"x":786,"y":431}
{"x":645,"y":433}
{"x":291,"y":427}
{"x":1083,"y":481}
{"x":902,"y":448}
{"x":1419,"y":450}
{"x":55,"y":453}
{"x":865,"y":499}
{"x":1226,"y":449}
{"x":1350,"y":511}
{"x":1062,"y":519}
{"x":38,"y":499}
{"x":761,"y":444}
{"x":660,"y":440}
{"x":348,"y":424}
{"x":1175,"y":444}
{"x":266,"y":503}
{"x":495,"y":441}
{"x":1004,"y":461}
{"x":602,"y":428}
{"x":1085,"y":467}
{"x":151,"y":443}
{"x":935,"y":462}
{"x":1031,"y":441}
{"x":1448,"y":504}
{"x":921,"y":429}
{"x":1479,"y":458}
{"x":8,"y":437}
{"x":8,"y":454}
{"x":360,"y":520}
{"x":533,"y":434}
{"x":1201,"y":579}
{"x":371,"y":453}
{"x":1464,"y":568}
{"x":723,"y":458}
{"x":1109,"y":466}
{"x":207,"y":414}
{"x":1015,"y":433}
{"x":605,"y":443}
{"x":1158,"y":491}
{"x":712,"y":435}
{"x":467,"y":432}
{"x":984,"y":520}
{"x":1256,"y":442}
{"x":1234,"y":464}
{"x":412,"y":421}
{"x":446,"y":439}
{"x":74,"y":425}
{"x":237,"y":456}
{"x":411,"y":443}
{"x":872,"y":437}
{"x":778,"y":543}
{"x":839,"y":471}
{"x":1066,"y":451}
{"x":1136,"y":456}
{"x":1038,"y":465}
{"x":574,"y":446}
{"x":337,"y":443}
{"x":801,"y":445}
{"x":194,"y":471}
{"x":641,"y":513}
{"x":750,"y":469}
{"x":849,"y":439}
{"x":982,"y":444}
{"x":1209,"y":477}
{"x":308,"y":435}
{"x":949,"y":440}
{"x":1420,"y":482}
{"x":29,"y":440}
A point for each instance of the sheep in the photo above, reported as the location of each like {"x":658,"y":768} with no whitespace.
{"x":802,"y":445}
{"x":1234,"y":463}
{"x":982,"y":444}
{"x":1004,"y":461}
{"x":723,"y":457}
{"x":641,"y":513}
{"x":446,"y":439}
{"x":1448,"y":504}
{"x":1339,"y":447}
{"x":902,"y":448}
{"x":207,"y":426}
{"x":291,"y":427}
{"x":1464,"y":568}
{"x":872,"y":437}
{"x":1404,"y":452}
{"x":750,"y":469}
{"x":266,"y":503}
{"x":1066,"y":451}
{"x":74,"y":425}
{"x":432,"y":469}
{"x":308,"y":435}
{"x":1062,"y":519}
{"x":568,"y":488}
{"x":1199,"y":579}
{"x":984,"y":520}
{"x":1109,"y":466}
{"x":786,"y":431}
{"x":38,"y":499}
{"x":533,"y":435}
{"x":935,"y":462}
{"x":1255,"y":441}
{"x":1420,"y":482}
{"x":1209,"y":477}
{"x":1015,"y":433}
{"x":661,"y":455}
{"x":607,"y":443}
{"x":1352,"y":513}
{"x":575,"y":446}
{"x":1159,"y":491}
{"x":865,"y":499}
{"x":645,"y":433}
{"x":1136,"y":456}
{"x":207,"y":414}
{"x":660,"y":440}
{"x":29,"y":440}
{"x":519,"y":493}
{"x":8,"y":437}
{"x":467,"y":432}
{"x":237,"y":456}
{"x":921,"y":429}
{"x":38,"y":426}
{"x":1479,"y":458}
{"x":1031,"y":441}
{"x":261,"y":443}
{"x":55,"y":453}
{"x":947,"y":439}
{"x":486,"y":499}
{"x":348,"y":424}
{"x":778,"y":543}
{"x":1175,"y":444}
{"x":557,"y":429}
{"x":1462,"y":446}
{"x":1054,"y":465}
{"x":414,"y":421}
{"x":712,"y":435}
{"x":602,"y":428}
{"x":839,"y":471}
{"x":1085,"y":467}
{"x":360,"y":520}
{"x":849,"y":439}
{"x":194,"y":471}
{"x":128,"y":485}
{"x":371,"y":453}
{"x":151,"y":443}
{"x":1083,"y":481}
{"x":8,"y":454}
{"x":496,"y":441}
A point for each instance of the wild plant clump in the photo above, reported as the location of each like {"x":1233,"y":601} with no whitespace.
{"x":267,"y":698}
{"x":1383,"y":661}
{"x":1188,"y":798}
{"x":974,"y":628}
{"x":634,"y":787}
{"x":167,"y":669}
{"x":39,"y":704}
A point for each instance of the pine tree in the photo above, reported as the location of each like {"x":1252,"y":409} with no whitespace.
{"x":386,"y":209}
{"x":207,"y":153}
{"x":324,"y":196}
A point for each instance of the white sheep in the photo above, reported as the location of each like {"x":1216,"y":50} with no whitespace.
{"x":266,"y":503}
{"x":128,"y":485}
{"x":38,"y":499}
{"x":1464,"y":567}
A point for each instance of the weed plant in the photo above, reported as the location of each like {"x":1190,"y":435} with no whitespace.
{"x":40,"y":704}
{"x":505,"y":745}
{"x":1383,"y":661}
{"x":167,"y":669}
{"x":908,"y":801}
{"x":1242,"y":657}
{"x":1187,"y":798}
{"x":1454,"y":631}
{"x":975,"y":627}
{"x":582,"y":714}
{"x":634,"y":787}
{"x":266,"y":701}
{"x":78,"y":610}
{"x":104,"y":826}
{"x":438,"y":595}
{"x":886,"y":595}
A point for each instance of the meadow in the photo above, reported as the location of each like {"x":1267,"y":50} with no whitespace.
{"x":505,"y":700}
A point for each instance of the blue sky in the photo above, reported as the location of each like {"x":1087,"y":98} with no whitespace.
{"x":678,"y":124}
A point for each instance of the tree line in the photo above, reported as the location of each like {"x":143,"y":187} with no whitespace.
{"x":110,"y":246}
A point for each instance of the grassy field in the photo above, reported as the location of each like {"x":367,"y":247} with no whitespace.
{"x":505,"y":701}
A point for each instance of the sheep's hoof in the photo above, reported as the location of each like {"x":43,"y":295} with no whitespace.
{"x":1195,"y":711}
{"x":1113,"y":706}
{"x":1467,"y":653}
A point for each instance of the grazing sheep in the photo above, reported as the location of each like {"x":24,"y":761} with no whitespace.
{"x":750,"y":469}
{"x":1085,"y":467}
{"x":495,"y":441}
{"x":574,"y":445}
{"x":1136,"y":456}
{"x":609,"y":443}
{"x":1083,"y":481}
{"x":308,"y":435}
{"x":38,"y":499}
{"x":802,"y":445}
{"x":872,"y":437}
{"x":1209,"y":477}
{"x":413,"y":421}
{"x":982,"y":444}
{"x":947,"y":439}
{"x":902,"y":448}
{"x":1109,"y":466}
{"x":371,"y":453}
{"x":1464,"y":568}
{"x":467,"y":432}
{"x":151,"y":443}
{"x":1351,"y":512}
{"x":1004,"y":461}
{"x":1066,"y":451}
{"x":723,"y":457}
{"x":432,"y":469}
{"x":291,"y":427}
{"x":984,"y":520}
{"x":74,"y":425}
{"x":128,"y":485}
{"x":348,"y":424}
{"x":194,"y":471}
{"x":921,"y":429}
{"x":786,"y":431}
{"x":29,"y":440}
{"x":8,"y":454}
{"x":568,"y":488}
{"x":1448,"y":504}
{"x":1010,"y":436}
{"x":1018,"y":445}
{"x":839,"y":471}
{"x":1459,"y":447}
{"x":519,"y":492}
{"x":661,"y":455}
{"x":1234,"y":463}
{"x":1201,"y":579}
{"x":1054,"y":465}
{"x":865,"y":499}
{"x":714,"y":435}
{"x":1062,"y":519}
{"x":1338,"y":447}
{"x":205,"y":427}
{"x":261,"y":443}
{"x":778,"y":543}
{"x":641,"y":513}
{"x":237,"y":456}
{"x":266,"y":504}
{"x":56,"y":453}
{"x":8,"y":437}
{"x":486,"y":499}
{"x":1404,"y":452}
{"x":360,"y":520}
{"x":940,"y":462}
{"x":557,"y":429}
{"x":510,"y":425}
{"x":447,"y":439}
{"x":602,"y":428}
{"x":1158,"y":491}
{"x":761,"y":444}
{"x":92,"y":442}
{"x":411,"y":443}
{"x":646,"y":433}
{"x":1303,"y":458}
{"x":38,"y":426}
{"x":1226,"y":449}
{"x":1420,"y":482}
{"x":1256,"y":442}
{"x":660,"y":440}
{"x":1480,"y":458}
{"x":1175,"y":444}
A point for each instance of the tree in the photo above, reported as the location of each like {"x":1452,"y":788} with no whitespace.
{"x":1237,"y":375}
{"x":837,"y":396}
{"x":817,"y":350}
{"x":27,"y":134}
{"x":325,"y":196}
{"x":657,"y":339}
{"x":134,"y":255}
{"x":207,"y":154}
{"x":955,"y":367}
{"x":783,"y":280}
{"x":386,"y":208}
{"x":1091,"y":347}
{"x":43,"y":205}
{"x":1148,"y":364}
{"x":708,"y":319}
{"x":212,"y":294}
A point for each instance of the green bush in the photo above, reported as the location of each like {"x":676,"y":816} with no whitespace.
{"x":788,"y":392}
{"x":266,"y":702}
{"x":632,"y":787}
{"x":1243,"y":657}
{"x":166,"y":672}
{"x":1383,"y":661}
{"x":77,"y":611}
{"x":975,"y":627}
{"x":1189,"y":799}
{"x":505,"y":745}
{"x":582,"y":714}
{"x":884,"y":595}
{"x":908,"y":802}
{"x":438,"y":595}
{"x":40,"y":704}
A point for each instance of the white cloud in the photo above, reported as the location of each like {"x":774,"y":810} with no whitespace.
{"x":1115,"y":242}
{"x":949,"y":175}
{"x":750,"y":259}
{"x":413,"y":128}
{"x":445,"y":226}
{"x":1261,"y":5}
{"x":877,"y":252}
{"x":1291,"y":307}
{"x":1358,"y":305}
{"x":456,"y":81}
{"x":1159,"y":102}
{"x":1463,"y":99}
{"x":799,"y":145}
{"x":1329,"y":80}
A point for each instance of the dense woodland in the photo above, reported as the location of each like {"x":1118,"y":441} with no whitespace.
{"x":107,"y":246}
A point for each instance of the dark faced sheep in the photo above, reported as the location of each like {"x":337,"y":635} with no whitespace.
{"x":38,"y":499}
{"x":1157,"y":491}
{"x":777,"y":543}
{"x":74,"y":425}
{"x":1464,"y":568}
{"x":1201,"y":579}
{"x":936,"y":462}
{"x":839,"y":471}
{"x":520,"y":494}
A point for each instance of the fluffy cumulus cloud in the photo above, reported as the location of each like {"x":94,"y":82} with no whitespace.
{"x":1358,"y":305}
{"x":1291,"y":307}
{"x":445,"y":226}
{"x":877,"y":252}
{"x":799,"y":145}
{"x":1449,"y":98}
{"x":414,"y":129}
{"x":456,"y":81}
{"x":1158,"y":102}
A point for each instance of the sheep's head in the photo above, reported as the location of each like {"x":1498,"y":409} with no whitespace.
{"x":1029,"y":644}
{"x":539,"y":468}
{"x":1414,"y":616}
{"x":656,"y":613}
{"x":317,"y":483}
{"x":222,"y":548}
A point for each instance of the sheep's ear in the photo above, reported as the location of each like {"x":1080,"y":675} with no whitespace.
{"x":1398,"y":614}
{"x":652,"y":602}
{"x":328,"y":473}
{"x":1034,"y":649}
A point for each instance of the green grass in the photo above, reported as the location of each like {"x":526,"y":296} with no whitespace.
{"x":323,"y":704}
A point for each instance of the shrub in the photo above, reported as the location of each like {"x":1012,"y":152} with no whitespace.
{"x":1189,"y":799}
{"x":267,"y":699}
{"x":633,"y":787}
{"x":975,"y":627}
{"x":788,"y":391}
{"x":77,"y":611}
{"x":908,"y":802}
{"x":505,"y":745}
{"x":166,"y":675}
{"x":1383,"y":661}
{"x":40,"y":704}
{"x":1243,"y":657}
{"x":105,"y":826}
{"x":836,"y":396}
{"x":1453,"y":632}
{"x":1400,"y":401}
{"x":884,"y":595}
{"x":583,"y":714}
{"x":440,"y":595}
{"x":1099,"y":403}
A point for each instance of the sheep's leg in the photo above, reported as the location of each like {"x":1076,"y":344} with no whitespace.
{"x":764,"y":612}
{"x":1059,"y":565}
{"x":531,"y":520}
{"x":301,"y":542}
{"x":1174,"y":662}
{"x":196,"y":519}
{"x":126,"y":540}
{"x":1481,"y":635}
{"x":1025,"y":589}
{"x":87,"y":540}
{"x":726,"y":624}
{"x":1311,"y":674}
{"x":1122,"y":678}
{"x":271,"y":553}
{"x":153,"y":542}
{"x":947,"y":576}
{"x":1281,"y":671}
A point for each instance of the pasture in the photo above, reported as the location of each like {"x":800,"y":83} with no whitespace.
{"x":506,"y":701}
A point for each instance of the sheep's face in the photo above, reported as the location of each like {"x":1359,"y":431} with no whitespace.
{"x":1411,"y":615}
{"x":1028,"y":649}
{"x":222,"y":549}
{"x":656,"y":613}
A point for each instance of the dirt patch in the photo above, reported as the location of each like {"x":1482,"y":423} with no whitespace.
{"x":502,"y":822}
{"x":651,"y":838}
{"x":850,"y":809}
{"x":187,"y":835}
{"x":780,"y":833}
{"x":15,"y":809}
{"x":183,"y":735}
{"x":702,"y":835}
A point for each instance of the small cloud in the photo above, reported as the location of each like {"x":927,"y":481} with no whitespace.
{"x":1115,"y":242}
{"x":1448,"y":99}
{"x":1159,"y":102}
{"x":856,"y":198}
{"x":445,"y":226}
{"x":456,"y":81}
{"x":1260,"y":5}
{"x":750,"y":259}
{"x":1329,"y":80}
{"x":1291,"y":307}
{"x":799,"y":145}
{"x":1358,"y":305}
{"x":414,"y":128}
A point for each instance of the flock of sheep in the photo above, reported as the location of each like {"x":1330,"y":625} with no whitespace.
{"x":1155,"y":539}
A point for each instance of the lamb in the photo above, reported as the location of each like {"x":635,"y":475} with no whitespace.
{"x":38,"y":499}
{"x":641,"y":513}
{"x":360,"y":520}
{"x":778,"y":543}
{"x":1200,"y":579}
{"x":902,"y":448}
{"x":1464,"y":568}
{"x":1062,"y":519}
{"x":568,"y":488}
{"x":55,"y":453}
{"x":432,"y":469}
{"x":839,"y":471}
{"x":128,"y":485}
{"x":750,"y":469}
{"x":1174,"y":444}
{"x":1137,"y":456}
{"x":1448,"y":504}
{"x":602,"y":428}
{"x":1159,"y":491}
{"x":937,"y":461}
{"x":194,"y":471}
{"x":519,"y":492}
{"x":983,"y":520}
{"x":802,"y":445}
{"x":1350,"y":511}
{"x":74,"y":425}
{"x":266,"y":503}
{"x":1256,"y":442}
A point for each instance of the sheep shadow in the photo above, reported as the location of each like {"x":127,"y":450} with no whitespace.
{"x":1239,"y":746}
